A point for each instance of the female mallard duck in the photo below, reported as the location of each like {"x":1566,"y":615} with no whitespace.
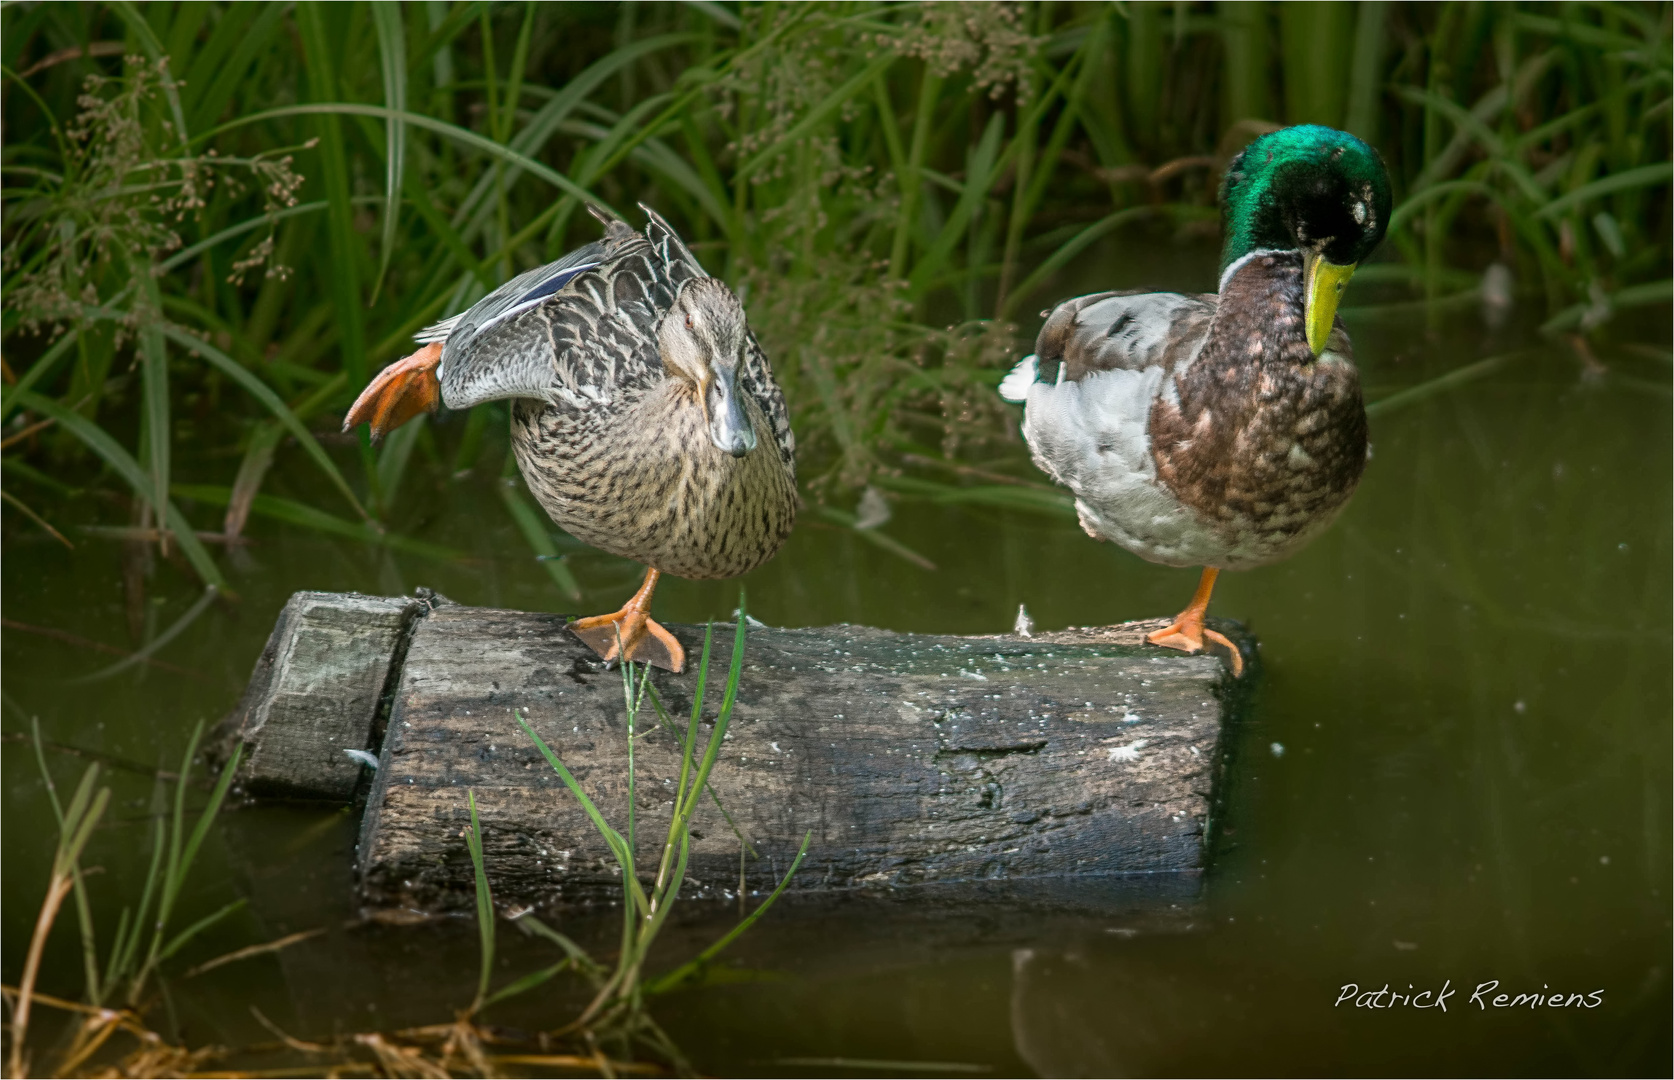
{"x":644,"y":414}
{"x":1222,"y":431}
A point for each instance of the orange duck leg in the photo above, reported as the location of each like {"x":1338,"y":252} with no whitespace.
{"x":632,"y":632}
{"x":1187,"y":631}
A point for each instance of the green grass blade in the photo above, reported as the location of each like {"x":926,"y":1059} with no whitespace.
{"x":535,"y":535}
{"x":693,"y":966}
{"x":46,"y":773}
{"x":77,"y":841}
{"x":874,"y":537}
{"x":450,"y":28}
{"x":1643,"y":176}
{"x":154,"y":379}
{"x":979,"y":177}
{"x":211,"y":98}
{"x":125,"y":951}
{"x":446,"y":233}
{"x":911,"y":183}
{"x":1650,"y":292}
{"x":76,"y":816}
{"x":118,"y":945}
{"x":155,"y":644}
{"x":1068,"y":250}
{"x":252,"y":470}
{"x":1429,"y":388}
{"x":392,"y":54}
{"x":684,"y":792}
{"x":173,"y":878}
{"x":259,"y":390}
{"x":343,"y":280}
{"x":546,"y":120}
{"x":393,"y":456}
{"x":514,"y":78}
{"x":659,"y":159}
{"x":97,"y":440}
{"x":39,"y":370}
{"x":723,"y":717}
{"x":485,"y":903}
{"x":185,"y":936}
{"x":1366,"y":69}
{"x":206,"y":817}
{"x":576,"y":955}
{"x":154,"y":49}
{"x":618,"y":845}
{"x":294,"y":513}
{"x":1424,"y":196}
{"x":528,"y":982}
{"x":462,"y":136}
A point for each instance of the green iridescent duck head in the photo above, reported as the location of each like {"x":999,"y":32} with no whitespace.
{"x":1314,"y":190}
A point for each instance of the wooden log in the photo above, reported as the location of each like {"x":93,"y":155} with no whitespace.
{"x":909,"y":758}
{"x":316,"y":692}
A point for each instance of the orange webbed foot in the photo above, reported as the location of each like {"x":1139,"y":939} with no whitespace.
{"x":1189,"y":639}
{"x":1187,"y":631}
{"x":400,"y":392}
{"x":632,"y":633}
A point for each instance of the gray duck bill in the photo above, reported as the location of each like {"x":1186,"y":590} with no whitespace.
{"x":729,"y":426}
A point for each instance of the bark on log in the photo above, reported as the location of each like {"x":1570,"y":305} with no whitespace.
{"x":909,"y":758}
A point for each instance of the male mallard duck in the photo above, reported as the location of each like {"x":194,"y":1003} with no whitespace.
{"x":644,"y":414}
{"x":1222,"y":431}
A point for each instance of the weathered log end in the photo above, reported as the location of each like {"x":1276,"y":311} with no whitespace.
{"x":905,"y":758}
{"x":327,"y":668}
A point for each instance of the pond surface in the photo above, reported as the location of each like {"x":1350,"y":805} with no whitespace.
{"x":1456,"y":769}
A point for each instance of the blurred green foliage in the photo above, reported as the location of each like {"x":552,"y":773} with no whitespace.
{"x":220,"y":218}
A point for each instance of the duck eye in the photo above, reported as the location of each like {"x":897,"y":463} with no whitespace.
{"x":688,"y":322}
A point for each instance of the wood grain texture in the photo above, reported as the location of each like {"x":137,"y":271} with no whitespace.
{"x":315,"y":692}
{"x":909,"y":758}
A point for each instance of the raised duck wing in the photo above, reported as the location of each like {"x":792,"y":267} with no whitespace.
{"x":575,"y":332}
{"x":471,"y":373}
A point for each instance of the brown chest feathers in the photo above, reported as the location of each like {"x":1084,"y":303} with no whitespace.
{"x":645,"y":482}
{"x":1261,"y":440}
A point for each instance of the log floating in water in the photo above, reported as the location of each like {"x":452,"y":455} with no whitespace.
{"x":910,"y":758}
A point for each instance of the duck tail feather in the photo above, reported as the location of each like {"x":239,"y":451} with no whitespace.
{"x":616,"y":230}
{"x":1015,"y":386}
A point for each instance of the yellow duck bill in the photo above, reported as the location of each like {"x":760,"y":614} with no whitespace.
{"x":1323,"y":288}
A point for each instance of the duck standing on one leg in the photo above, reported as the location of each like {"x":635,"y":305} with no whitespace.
{"x":1222,"y":431}
{"x":645,"y":417}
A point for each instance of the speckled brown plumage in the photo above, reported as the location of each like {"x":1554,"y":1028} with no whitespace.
{"x":617,"y":452}
{"x":648,"y":484}
{"x":1264,"y":442}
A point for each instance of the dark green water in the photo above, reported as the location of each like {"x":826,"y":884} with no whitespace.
{"x":1456,"y":769}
